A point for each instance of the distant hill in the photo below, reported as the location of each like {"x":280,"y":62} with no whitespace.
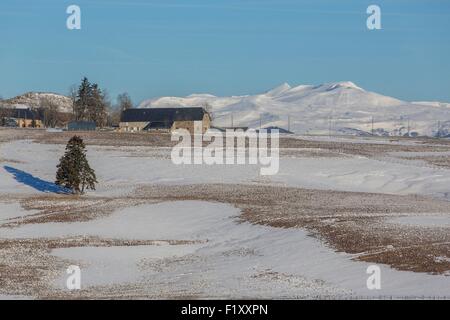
{"x":37,"y":99}
{"x":339,"y":107}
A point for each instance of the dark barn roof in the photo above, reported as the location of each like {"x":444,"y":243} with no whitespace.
{"x":25,"y":114}
{"x":163,"y":115}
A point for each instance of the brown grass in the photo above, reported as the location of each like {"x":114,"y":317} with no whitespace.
{"x":112,"y":138}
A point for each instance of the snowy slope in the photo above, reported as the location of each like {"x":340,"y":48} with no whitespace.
{"x":40,"y":99}
{"x":340,"y":107}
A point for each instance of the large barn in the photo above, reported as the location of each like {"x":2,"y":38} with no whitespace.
{"x":165,"y":119}
{"x":21,"y":117}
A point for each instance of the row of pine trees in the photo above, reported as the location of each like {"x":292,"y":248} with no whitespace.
{"x":90,"y":103}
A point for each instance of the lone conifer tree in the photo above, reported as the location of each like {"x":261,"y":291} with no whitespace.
{"x":74,"y":171}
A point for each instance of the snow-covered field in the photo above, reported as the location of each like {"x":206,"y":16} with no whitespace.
{"x":119,"y":169}
{"x":202,"y":248}
{"x":230,"y":260}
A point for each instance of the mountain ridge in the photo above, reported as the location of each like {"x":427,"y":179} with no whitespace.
{"x":329,"y":107}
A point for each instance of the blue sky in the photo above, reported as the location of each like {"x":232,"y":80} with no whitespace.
{"x":225,"y":47}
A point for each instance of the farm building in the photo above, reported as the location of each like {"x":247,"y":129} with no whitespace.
{"x":165,"y":119}
{"x":81,"y":126}
{"x":21,"y":117}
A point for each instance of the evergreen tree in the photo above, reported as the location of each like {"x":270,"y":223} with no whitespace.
{"x":91,"y":103}
{"x":98,"y":106}
{"x":83,"y":100}
{"x":74,"y":171}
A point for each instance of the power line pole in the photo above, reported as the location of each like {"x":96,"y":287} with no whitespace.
{"x":329,"y":126}
{"x":372,"y":131}
{"x":409,"y":128}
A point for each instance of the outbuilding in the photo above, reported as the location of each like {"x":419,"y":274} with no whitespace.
{"x":193,"y":119}
{"x":81,"y":126}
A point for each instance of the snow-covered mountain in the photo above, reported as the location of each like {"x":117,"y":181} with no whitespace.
{"x":340,"y":107}
{"x":40,"y":99}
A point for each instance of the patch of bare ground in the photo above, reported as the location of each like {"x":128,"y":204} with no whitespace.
{"x":27,"y":267}
{"x":368,"y":149}
{"x":10,"y":160}
{"x":287,"y":144}
{"x":347,"y":221}
{"x":110,"y":138}
{"x":11,"y":134}
{"x":310,"y":153}
{"x":95,"y":138}
{"x":437,"y":161}
{"x":27,"y":270}
{"x":135,"y":291}
{"x":67,"y":208}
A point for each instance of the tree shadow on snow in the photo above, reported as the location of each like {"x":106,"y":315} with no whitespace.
{"x":36,"y":183}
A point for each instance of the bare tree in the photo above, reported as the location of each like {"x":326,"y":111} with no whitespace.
{"x":5,"y":112}
{"x":49,"y":111}
{"x":208,"y":108}
{"x":107,"y":107}
{"x":124,"y":102}
{"x":73,"y":92}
